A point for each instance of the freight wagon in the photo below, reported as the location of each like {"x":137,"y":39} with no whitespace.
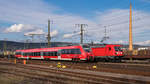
{"x":137,"y":54}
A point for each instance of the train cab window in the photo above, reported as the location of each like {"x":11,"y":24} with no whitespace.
{"x":117,"y":48}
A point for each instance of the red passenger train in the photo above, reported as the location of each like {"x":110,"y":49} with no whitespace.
{"x":74,"y":53}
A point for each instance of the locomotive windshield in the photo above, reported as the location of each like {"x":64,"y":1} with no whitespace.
{"x":86,"y":48}
{"x":117,"y":48}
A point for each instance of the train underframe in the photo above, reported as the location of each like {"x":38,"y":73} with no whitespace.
{"x":88,"y":59}
{"x":108,"y":58}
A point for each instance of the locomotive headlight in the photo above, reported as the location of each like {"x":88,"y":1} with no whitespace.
{"x":116,"y":52}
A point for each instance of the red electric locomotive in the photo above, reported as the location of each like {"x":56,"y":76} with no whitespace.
{"x":108,"y":52}
{"x":74,"y":53}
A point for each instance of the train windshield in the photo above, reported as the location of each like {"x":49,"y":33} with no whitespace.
{"x":86,"y":48}
{"x":117,"y":48}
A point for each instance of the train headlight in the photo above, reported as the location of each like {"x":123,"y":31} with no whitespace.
{"x":116,"y":53}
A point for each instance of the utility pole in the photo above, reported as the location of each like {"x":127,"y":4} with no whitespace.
{"x":5,"y":45}
{"x":48,"y":37}
{"x":81,"y":32}
{"x":105,"y":31}
{"x":130,"y":29}
{"x":32,"y":36}
{"x":27,"y":44}
{"x":5,"y":48}
{"x":105,"y":35}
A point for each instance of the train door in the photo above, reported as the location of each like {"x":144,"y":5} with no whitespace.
{"x":41,"y":55}
{"x":22,"y":54}
{"x":59,"y":54}
{"x":109,"y":51}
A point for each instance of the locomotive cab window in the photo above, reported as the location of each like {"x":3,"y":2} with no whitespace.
{"x":117,"y":48}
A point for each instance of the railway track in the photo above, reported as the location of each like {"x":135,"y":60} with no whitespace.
{"x":122,"y":68}
{"x":65,"y":75}
{"x":46,"y":75}
{"x":135,"y":69}
{"x":32,"y":75}
{"x":54,"y":74}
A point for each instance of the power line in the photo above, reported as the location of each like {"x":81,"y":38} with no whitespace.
{"x":119,"y":23}
{"x":119,"y":17}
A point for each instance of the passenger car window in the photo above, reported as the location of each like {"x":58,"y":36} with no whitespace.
{"x":70,"y":51}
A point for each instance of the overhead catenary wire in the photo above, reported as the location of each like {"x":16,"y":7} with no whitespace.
{"x":115,"y":24}
{"x":124,"y":22}
{"x":59,"y":18}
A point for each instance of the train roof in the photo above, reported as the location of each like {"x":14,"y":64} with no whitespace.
{"x":65,"y":47}
{"x":49,"y":49}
